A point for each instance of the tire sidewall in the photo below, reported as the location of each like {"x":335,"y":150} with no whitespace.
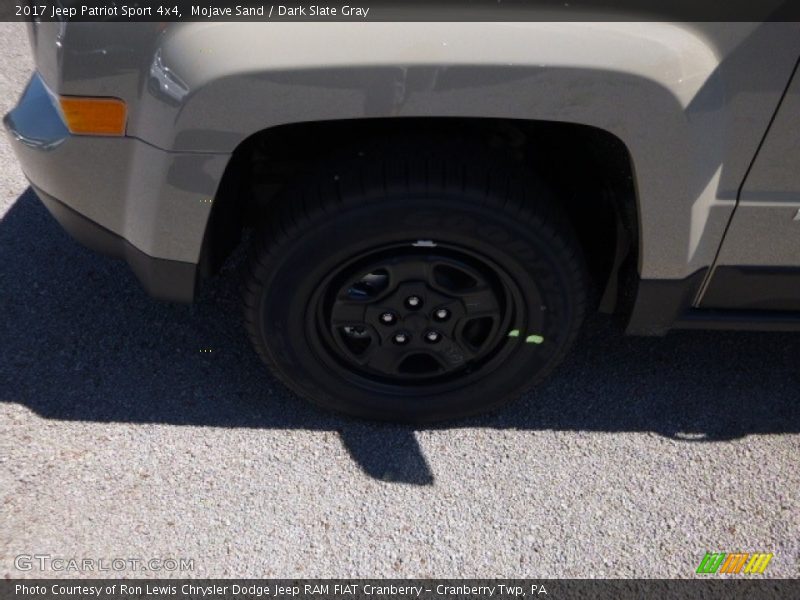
{"x":531,"y":253}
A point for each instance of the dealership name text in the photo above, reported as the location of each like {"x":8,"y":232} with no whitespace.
{"x":280,"y":590}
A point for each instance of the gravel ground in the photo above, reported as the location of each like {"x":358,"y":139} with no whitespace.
{"x":119,"y":438}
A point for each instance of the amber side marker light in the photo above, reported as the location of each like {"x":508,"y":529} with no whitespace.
{"x":94,"y":116}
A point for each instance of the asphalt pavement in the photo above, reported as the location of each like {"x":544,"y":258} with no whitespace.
{"x":120,"y":438}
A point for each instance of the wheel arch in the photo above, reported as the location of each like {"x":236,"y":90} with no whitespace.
{"x":590,"y":169}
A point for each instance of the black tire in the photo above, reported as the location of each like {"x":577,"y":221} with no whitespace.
{"x":500,"y":241}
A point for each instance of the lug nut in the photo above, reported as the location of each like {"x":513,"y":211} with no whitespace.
{"x":388,"y":318}
{"x":401,"y":338}
{"x":441,"y":314}
{"x":433,"y":337}
{"x":413,"y":302}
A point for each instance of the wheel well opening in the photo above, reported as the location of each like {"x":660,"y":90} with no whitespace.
{"x":590,"y":170}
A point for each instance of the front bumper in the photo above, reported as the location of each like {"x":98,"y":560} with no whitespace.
{"x":171,"y":280}
{"x":119,"y":195}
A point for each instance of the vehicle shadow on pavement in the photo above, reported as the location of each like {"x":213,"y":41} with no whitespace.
{"x":81,"y":341}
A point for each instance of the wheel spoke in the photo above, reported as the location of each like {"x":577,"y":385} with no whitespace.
{"x":416,"y":269}
{"x":480,"y":302}
{"x":383,"y":358}
{"x":348,"y":312}
{"x":451,"y":354}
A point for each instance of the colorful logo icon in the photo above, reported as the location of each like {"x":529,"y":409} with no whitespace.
{"x":721,"y":562}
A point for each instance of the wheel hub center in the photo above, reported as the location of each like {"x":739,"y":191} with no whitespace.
{"x":416,"y":323}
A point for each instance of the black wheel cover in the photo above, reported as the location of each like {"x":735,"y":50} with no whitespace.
{"x":414,"y":316}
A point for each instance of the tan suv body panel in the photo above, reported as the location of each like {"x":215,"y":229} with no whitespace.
{"x":692,"y":102}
